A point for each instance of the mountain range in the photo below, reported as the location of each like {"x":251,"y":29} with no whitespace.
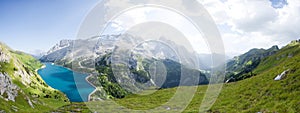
{"x":100,"y":56}
{"x":238,"y":68}
{"x":81,"y":50}
{"x":260,"y":80}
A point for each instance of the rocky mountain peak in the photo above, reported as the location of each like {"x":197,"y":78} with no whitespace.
{"x":275,"y":47}
{"x":62,"y":44}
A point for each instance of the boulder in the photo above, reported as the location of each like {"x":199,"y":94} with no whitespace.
{"x":281,"y":76}
{"x":8,"y":88}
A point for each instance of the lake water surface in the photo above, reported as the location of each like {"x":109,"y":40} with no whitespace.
{"x":71,"y":83}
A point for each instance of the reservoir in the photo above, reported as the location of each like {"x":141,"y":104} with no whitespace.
{"x":73,"y":84}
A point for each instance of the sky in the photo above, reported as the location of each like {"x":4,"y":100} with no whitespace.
{"x":36,"y":25}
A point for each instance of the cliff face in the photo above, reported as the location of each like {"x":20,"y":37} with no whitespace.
{"x":58,"y":51}
{"x":21,"y":88}
{"x":8,"y":90}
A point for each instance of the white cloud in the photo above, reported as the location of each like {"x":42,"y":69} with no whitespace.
{"x":244,"y":24}
{"x":254,"y":23}
{"x":136,"y":16}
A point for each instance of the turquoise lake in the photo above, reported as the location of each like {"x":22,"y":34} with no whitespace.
{"x":71,"y":83}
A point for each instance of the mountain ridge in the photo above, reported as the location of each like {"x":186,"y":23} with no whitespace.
{"x":240,"y":67}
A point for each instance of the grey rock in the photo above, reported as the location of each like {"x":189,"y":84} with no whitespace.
{"x":3,"y":57}
{"x":29,"y":102}
{"x":14,"y":108}
{"x":59,"y":51}
{"x":282,"y":75}
{"x":8,"y":88}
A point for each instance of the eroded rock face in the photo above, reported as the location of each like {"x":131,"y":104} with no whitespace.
{"x":3,"y":56}
{"x":8,"y":90}
{"x":23,"y":74}
{"x":58,"y":52}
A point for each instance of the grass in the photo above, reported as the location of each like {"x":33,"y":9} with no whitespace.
{"x":7,"y":67}
{"x":30,"y":62}
{"x":42,"y":105}
{"x":261,"y":92}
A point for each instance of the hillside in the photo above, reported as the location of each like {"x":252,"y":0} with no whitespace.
{"x":260,"y":93}
{"x":241,"y":67}
{"x":21,"y":88}
{"x":142,"y":75}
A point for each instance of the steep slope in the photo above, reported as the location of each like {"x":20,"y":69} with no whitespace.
{"x":142,"y":75}
{"x":241,"y":66}
{"x":21,"y":88}
{"x":262,"y":93}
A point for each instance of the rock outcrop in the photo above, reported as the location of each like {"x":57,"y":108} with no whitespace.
{"x":3,"y":56}
{"x":282,"y":75}
{"x":58,"y":52}
{"x":8,"y":90}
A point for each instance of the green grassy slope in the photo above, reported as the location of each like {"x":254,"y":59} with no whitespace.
{"x":241,"y":67}
{"x":261,"y":92}
{"x":42,"y":97}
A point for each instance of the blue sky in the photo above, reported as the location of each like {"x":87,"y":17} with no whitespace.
{"x":279,"y":3}
{"x":30,"y":25}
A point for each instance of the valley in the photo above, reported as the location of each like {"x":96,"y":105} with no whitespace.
{"x":150,"y":56}
{"x":259,"y":93}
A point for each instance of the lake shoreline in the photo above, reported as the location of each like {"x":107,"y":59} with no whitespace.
{"x":42,"y":67}
{"x":89,"y":97}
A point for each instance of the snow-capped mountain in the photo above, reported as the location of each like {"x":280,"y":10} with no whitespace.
{"x":86,"y":51}
{"x":58,"y":51}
